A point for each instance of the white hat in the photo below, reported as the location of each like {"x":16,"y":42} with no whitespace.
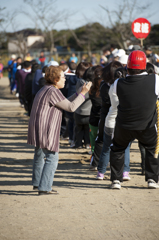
{"x":123,"y":59}
{"x":53,"y":63}
{"x":114,"y":51}
{"x":13,"y":56}
{"x":119,"y":53}
{"x":130,"y":47}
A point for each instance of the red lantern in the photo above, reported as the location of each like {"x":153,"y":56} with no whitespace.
{"x":141,"y":28}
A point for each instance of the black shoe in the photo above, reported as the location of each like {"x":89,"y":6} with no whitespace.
{"x":35,"y":188}
{"x":54,"y":192}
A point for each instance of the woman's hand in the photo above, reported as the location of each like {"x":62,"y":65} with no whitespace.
{"x":86,"y":87}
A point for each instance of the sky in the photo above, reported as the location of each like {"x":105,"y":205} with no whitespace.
{"x":82,"y":12}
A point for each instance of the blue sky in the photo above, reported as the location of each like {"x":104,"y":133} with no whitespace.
{"x":85,"y":11}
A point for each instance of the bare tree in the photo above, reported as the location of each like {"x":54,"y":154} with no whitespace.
{"x":19,"y":38}
{"x":120,"y":20}
{"x":45,"y":16}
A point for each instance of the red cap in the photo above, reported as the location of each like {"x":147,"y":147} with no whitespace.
{"x":137,"y":60}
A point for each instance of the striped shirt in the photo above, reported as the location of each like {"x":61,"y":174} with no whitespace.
{"x":45,"y":119}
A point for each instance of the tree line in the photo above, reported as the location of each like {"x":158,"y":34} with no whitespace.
{"x":90,"y":37}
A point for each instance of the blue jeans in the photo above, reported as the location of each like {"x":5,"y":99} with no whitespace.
{"x":44,"y":170}
{"x":105,"y":155}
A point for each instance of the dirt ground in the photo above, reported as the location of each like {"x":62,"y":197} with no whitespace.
{"x":85,"y":209}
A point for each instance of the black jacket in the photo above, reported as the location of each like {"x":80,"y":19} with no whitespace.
{"x":137,"y":102}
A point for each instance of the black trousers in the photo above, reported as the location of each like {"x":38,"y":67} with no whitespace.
{"x":81,"y":129}
{"x":21,"y":99}
{"x":71,"y":123}
{"x":98,"y":143}
{"x":122,"y":137}
{"x":142,"y":151}
{"x":64,"y":125}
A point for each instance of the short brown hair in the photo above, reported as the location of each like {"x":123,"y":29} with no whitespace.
{"x":52,"y":74}
{"x":135,"y":71}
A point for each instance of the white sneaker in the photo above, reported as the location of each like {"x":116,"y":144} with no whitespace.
{"x":100,"y":176}
{"x":152,"y":184}
{"x":126,"y":176}
{"x":116,"y":184}
{"x":88,"y":146}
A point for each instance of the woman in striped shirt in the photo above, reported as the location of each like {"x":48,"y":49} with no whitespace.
{"x":45,"y":124}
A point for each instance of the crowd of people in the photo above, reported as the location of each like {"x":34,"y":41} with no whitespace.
{"x":101,"y":106}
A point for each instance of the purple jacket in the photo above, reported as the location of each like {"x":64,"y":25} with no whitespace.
{"x":21,"y":80}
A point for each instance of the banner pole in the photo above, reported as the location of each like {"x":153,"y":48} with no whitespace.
{"x":141,"y":40}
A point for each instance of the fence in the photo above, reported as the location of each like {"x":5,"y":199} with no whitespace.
{"x":57,"y":56}
{"x":61,"y":55}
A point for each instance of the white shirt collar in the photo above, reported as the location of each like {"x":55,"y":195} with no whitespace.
{"x":25,"y":70}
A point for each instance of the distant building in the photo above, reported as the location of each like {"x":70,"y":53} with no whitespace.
{"x":32,"y":39}
{"x":26,"y":40}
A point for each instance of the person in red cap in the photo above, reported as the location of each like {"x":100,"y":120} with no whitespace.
{"x":136,"y":119}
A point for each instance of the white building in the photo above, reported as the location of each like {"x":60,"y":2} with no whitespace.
{"x":13,"y":45}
